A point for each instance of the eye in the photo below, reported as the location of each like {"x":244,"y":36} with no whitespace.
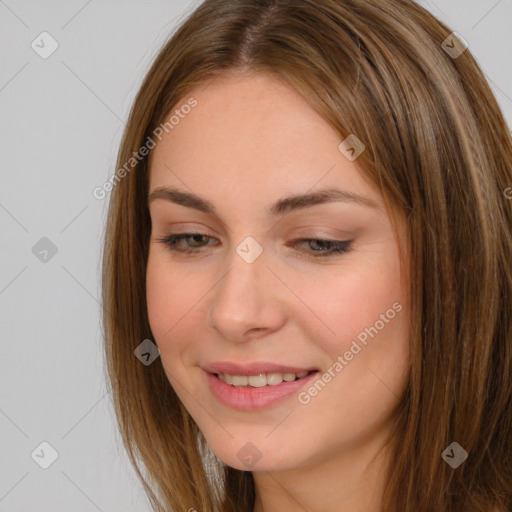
{"x":324,"y":247}
{"x":320,"y":247}
{"x":172,"y":240}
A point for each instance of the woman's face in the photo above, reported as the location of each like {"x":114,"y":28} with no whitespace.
{"x":258,"y":293}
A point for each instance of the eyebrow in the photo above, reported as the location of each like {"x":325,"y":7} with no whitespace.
{"x":280,"y":207}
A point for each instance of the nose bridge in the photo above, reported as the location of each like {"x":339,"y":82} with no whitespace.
{"x":243,"y":298}
{"x":246,"y":266}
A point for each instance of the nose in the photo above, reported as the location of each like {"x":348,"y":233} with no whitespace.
{"x":248,"y":302}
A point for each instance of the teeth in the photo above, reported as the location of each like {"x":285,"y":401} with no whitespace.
{"x":240,"y":380}
{"x":275,"y":378}
{"x":258,"y":381}
{"x":261,"y":380}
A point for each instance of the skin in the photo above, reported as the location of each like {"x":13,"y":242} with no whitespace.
{"x":251,"y":141}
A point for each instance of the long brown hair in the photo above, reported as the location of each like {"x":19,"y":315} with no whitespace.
{"x":438,"y":147}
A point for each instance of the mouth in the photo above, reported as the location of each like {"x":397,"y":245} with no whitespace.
{"x":261,"y":380}
{"x":257,"y":391}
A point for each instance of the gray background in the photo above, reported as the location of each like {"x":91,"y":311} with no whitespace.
{"x":61,"y":120}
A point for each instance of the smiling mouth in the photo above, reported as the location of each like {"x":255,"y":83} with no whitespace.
{"x":262,"y":379}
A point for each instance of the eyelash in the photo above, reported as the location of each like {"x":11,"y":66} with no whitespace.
{"x":340,"y":247}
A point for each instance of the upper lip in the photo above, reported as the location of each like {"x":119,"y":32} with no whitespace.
{"x":253,"y":368}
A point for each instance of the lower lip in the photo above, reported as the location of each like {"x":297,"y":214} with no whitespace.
{"x":251,"y":399}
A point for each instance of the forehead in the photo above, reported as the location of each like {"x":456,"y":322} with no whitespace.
{"x":252,"y":134}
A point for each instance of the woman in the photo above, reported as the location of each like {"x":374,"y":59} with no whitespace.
{"x":310,"y":221}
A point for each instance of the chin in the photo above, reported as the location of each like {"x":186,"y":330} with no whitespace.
{"x":258,"y":455}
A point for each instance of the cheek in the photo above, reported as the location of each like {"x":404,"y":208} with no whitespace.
{"x":368,"y":312}
{"x":349,"y":303}
{"x":171,"y":297}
